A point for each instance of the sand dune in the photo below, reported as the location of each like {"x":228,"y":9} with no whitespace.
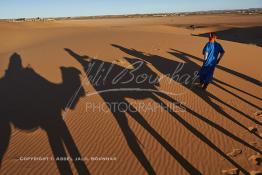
{"x":44,"y":113}
{"x":248,"y":35}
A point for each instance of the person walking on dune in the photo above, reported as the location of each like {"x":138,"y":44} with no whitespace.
{"x":213,"y":53}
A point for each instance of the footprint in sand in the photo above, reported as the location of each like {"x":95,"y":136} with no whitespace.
{"x":255,"y":173}
{"x":233,"y":171}
{"x":256,"y":159}
{"x":234,"y":153}
{"x":156,"y":49}
{"x":253,"y":143}
{"x":253,"y":129}
{"x":120,"y":61}
{"x":258,"y":113}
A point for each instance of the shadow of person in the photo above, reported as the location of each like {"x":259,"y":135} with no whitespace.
{"x":29,"y":102}
{"x":116,"y":85}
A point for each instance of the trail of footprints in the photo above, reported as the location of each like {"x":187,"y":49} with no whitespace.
{"x":255,"y":159}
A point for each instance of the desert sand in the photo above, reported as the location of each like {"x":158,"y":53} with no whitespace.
{"x":44,"y":113}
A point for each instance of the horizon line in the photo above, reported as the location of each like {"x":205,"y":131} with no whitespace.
{"x":133,"y":14}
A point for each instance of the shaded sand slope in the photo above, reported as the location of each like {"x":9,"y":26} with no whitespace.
{"x":205,"y":133}
{"x":248,"y":35}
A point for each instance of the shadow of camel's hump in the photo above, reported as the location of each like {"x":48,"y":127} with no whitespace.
{"x":29,"y":102}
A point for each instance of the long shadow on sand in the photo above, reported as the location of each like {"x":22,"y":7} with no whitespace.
{"x":116,"y":77}
{"x":127,"y":89}
{"x":230,"y":71}
{"x":247,"y":35}
{"x":28,"y":101}
{"x":187,"y":59}
{"x":166,"y":66}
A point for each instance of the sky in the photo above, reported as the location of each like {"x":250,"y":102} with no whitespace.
{"x":64,"y":8}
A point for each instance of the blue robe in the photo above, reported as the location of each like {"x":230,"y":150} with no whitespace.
{"x":213,"y":49}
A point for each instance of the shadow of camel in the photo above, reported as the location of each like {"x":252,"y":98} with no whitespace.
{"x":187,"y":70}
{"x":116,"y":77}
{"x":127,"y":88}
{"x":29,"y":102}
{"x":247,"y":35}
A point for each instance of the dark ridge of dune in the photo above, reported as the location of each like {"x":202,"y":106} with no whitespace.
{"x":248,"y":35}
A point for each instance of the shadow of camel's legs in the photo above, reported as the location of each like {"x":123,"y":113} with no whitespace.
{"x":211,"y":123}
{"x":230,"y":71}
{"x":181,"y":160}
{"x":197,"y":133}
{"x":5,"y":134}
{"x":207,"y":97}
{"x":132,"y":140}
{"x":235,"y":95}
{"x":58,"y":151}
{"x":240,"y":90}
{"x":218,"y":109}
{"x":72,"y":149}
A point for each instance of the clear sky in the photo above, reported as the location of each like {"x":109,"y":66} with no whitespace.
{"x":56,"y":8}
